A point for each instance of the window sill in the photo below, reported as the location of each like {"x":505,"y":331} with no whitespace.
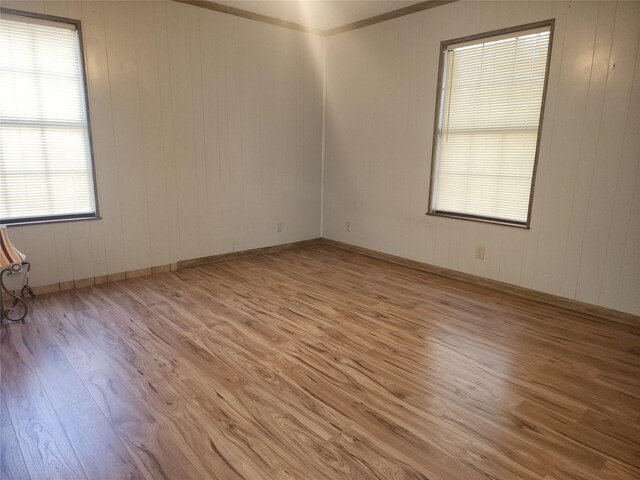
{"x":494,"y":221}
{"x":44,"y":222}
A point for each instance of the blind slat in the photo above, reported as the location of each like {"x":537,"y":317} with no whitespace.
{"x":489,"y":120}
{"x":45,"y":156}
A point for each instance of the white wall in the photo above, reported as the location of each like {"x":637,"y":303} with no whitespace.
{"x":207,"y":132}
{"x":584,"y":242}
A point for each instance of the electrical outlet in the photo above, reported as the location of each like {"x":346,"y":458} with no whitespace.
{"x":347,"y":226}
{"x":279,"y":227}
{"x":480,"y":253}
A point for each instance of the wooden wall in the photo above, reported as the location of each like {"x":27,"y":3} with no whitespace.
{"x":207,"y":132}
{"x":584,"y":242}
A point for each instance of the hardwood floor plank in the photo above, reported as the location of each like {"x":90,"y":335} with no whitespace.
{"x":100,"y":451}
{"x":5,"y":419}
{"x":501,"y":463}
{"x":436,"y":458}
{"x":581,"y":435}
{"x":622,"y":431}
{"x":29,"y":349}
{"x":222,"y":441}
{"x":616,"y":471}
{"x":99,"y":330}
{"x":44,"y":445}
{"x":60,"y":381}
{"x":152,"y":447}
{"x":82,"y":354}
{"x":11,"y":463}
{"x":603,"y":399}
{"x":319,"y":363}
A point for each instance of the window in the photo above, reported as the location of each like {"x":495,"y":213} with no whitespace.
{"x":46,"y":165}
{"x":490,"y":101}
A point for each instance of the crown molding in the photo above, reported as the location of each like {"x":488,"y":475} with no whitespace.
{"x":383,"y":17}
{"x":239,"y":12}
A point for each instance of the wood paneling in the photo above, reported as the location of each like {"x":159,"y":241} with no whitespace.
{"x":584,"y":241}
{"x":318,"y":363}
{"x":207,"y":132}
{"x":116,"y":277}
{"x":245,"y":253}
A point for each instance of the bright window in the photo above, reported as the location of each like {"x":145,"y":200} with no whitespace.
{"x":46,"y":167}
{"x":491,"y":96}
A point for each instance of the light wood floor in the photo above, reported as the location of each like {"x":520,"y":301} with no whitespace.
{"x":315,"y":364}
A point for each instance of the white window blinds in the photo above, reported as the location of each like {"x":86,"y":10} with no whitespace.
{"x":486,"y":140}
{"x":45,"y":155}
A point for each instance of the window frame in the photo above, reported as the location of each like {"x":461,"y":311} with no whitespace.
{"x":71,"y":217}
{"x":435,"y":143}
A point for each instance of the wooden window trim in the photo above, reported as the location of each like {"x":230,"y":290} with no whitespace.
{"x":443,"y":47}
{"x":72,"y":217}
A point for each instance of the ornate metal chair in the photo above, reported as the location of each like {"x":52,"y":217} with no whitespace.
{"x":14,"y":280}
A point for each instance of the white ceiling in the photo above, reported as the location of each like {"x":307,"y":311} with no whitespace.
{"x":322,"y":14}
